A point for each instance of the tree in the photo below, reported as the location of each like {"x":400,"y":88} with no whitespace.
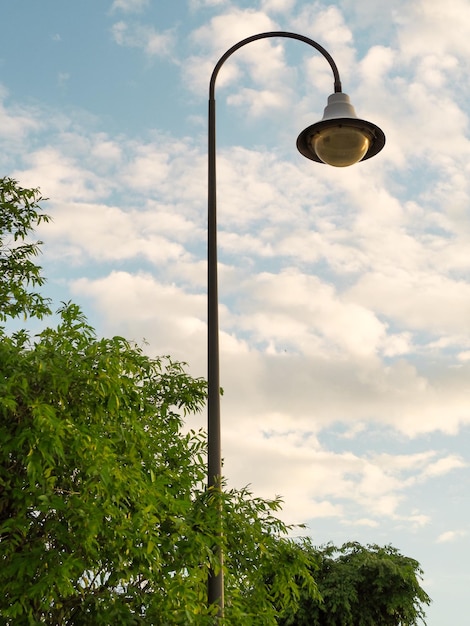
{"x":362,"y":586}
{"x":20,"y":213}
{"x":104,"y":514}
{"x":104,"y":517}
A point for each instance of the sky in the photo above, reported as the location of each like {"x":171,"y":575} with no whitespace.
{"x":344,"y":292}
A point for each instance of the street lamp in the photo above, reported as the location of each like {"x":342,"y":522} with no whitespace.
{"x":339,"y":139}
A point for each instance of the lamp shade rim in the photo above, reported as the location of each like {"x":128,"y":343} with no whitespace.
{"x":376,"y":136}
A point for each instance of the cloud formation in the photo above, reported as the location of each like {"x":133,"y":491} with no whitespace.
{"x":147,"y":38}
{"x":129,"y":6}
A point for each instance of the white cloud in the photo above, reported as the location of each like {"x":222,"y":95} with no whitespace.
{"x":152,"y":42}
{"x":16,"y":122}
{"x":281,"y":6}
{"x":306,"y":314}
{"x":227,"y":29}
{"x":85,"y":227}
{"x":376,"y":65}
{"x":261,"y":61}
{"x":167,"y":317}
{"x":425,"y":27}
{"x":129,"y":6}
{"x":327,"y":26}
{"x":408,"y":298}
{"x":61,"y":176}
{"x":202,"y":4}
{"x":444,"y":466}
{"x":105,"y":151}
{"x":451,"y":536}
{"x":63,"y":78}
{"x":363,"y":522}
{"x":319,"y":483}
{"x":257,"y":102}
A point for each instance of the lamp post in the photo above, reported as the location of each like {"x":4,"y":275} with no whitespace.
{"x":339,"y":139}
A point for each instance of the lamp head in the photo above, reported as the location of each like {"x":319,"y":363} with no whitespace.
{"x":340,"y":138}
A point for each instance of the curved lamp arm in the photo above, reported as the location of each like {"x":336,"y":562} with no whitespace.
{"x":280,"y":33}
{"x":340,"y":139}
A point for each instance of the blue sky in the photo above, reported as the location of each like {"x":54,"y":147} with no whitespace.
{"x":345,"y":293}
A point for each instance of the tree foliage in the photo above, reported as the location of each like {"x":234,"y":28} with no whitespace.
{"x":20,"y":213}
{"x":104,"y":517}
{"x":362,"y":586}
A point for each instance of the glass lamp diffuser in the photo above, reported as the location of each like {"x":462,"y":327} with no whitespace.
{"x":340,"y":138}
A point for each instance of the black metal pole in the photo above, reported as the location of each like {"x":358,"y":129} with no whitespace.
{"x":214,"y":458}
{"x":214,"y":462}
